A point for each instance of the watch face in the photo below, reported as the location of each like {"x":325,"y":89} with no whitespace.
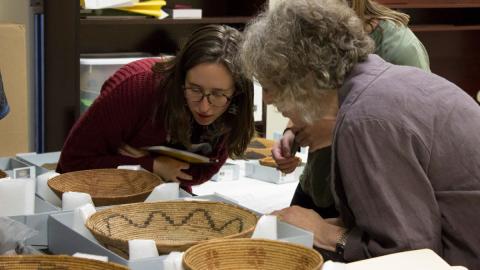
{"x":340,"y":248}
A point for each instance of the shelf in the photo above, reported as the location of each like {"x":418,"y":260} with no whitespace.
{"x":142,"y":20}
{"x":426,"y":5}
{"x":406,"y":4}
{"x":443,"y":27}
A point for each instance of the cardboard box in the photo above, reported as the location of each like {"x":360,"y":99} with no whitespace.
{"x":40,"y":160}
{"x":8,"y":164}
{"x":14,"y":137}
{"x":43,"y":209}
{"x":38,"y":221}
{"x":60,"y":229}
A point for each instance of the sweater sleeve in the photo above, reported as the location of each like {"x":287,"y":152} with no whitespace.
{"x":116,"y":115}
{"x":383,"y":176}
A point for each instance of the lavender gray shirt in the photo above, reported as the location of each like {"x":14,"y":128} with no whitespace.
{"x":406,"y":159}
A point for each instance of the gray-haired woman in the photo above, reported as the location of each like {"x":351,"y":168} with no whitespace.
{"x":405,"y":149}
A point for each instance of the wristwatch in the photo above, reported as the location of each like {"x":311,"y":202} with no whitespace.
{"x":342,"y":241}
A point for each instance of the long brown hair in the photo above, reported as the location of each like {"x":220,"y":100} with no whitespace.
{"x":369,"y":10}
{"x":208,"y":44}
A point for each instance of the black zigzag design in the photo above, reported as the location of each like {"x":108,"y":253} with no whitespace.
{"x":167,"y":218}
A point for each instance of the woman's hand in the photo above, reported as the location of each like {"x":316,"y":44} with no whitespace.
{"x":129,"y":151}
{"x":286,"y":163}
{"x":171,"y":169}
{"x":326,"y":232}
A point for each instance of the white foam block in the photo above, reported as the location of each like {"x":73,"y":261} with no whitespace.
{"x":91,"y":256}
{"x":142,"y":248}
{"x":164,"y":192}
{"x":173,"y":261}
{"x":44,"y":191}
{"x":80,"y":216}
{"x":17,"y":197}
{"x":72,"y":200}
{"x":266,"y":228}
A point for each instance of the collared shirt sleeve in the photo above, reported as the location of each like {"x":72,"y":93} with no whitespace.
{"x":383,"y":170}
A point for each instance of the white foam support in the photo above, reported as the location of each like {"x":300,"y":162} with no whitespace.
{"x":72,"y":200}
{"x":173,"y":261}
{"x":44,"y":190}
{"x":17,"y":197}
{"x":142,"y":248}
{"x":266,"y":228}
{"x":80,"y":216}
{"x":164,"y":192}
{"x":91,"y":256}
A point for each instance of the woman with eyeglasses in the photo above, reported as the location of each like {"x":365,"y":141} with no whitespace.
{"x":197,"y":98}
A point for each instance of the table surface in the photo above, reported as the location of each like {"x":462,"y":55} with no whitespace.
{"x":263,"y":197}
{"x":260,"y":196}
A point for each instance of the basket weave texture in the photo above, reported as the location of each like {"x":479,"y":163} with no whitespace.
{"x":54,"y":262}
{"x":3,"y":174}
{"x":173,"y":225}
{"x":107,"y":186}
{"x":251,"y":254}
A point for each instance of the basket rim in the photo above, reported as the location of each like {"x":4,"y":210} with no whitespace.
{"x":179,"y":244}
{"x":106,"y":196}
{"x":202,"y":245}
{"x":54,"y":257}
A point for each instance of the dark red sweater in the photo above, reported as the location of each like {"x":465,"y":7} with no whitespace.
{"x":123,"y":113}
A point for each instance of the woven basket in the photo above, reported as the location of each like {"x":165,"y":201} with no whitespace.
{"x":261,"y":143}
{"x":54,"y":262}
{"x":251,"y":254}
{"x":3,"y":174}
{"x":173,"y":225}
{"x":107,"y":186}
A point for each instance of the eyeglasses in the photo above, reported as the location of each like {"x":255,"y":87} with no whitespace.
{"x":215,"y":98}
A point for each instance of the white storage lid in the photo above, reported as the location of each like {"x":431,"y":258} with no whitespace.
{"x":107,"y":61}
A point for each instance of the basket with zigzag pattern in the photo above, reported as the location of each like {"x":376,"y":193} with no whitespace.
{"x":173,"y":225}
{"x":51,"y":262}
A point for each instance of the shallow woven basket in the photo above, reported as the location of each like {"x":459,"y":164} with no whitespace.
{"x":173,"y":225}
{"x":3,"y":174}
{"x":251,"y":254}
{"x":107,"y":186}
{"x":54,"y":262}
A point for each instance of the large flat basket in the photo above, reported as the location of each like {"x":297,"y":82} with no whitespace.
{"x":43,"y":262}
{"x":251,"y":254}
{"x":107,"y":186}
{"x":173,"y":225}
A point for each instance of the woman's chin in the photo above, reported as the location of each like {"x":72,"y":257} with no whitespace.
{"x":204,"y":121}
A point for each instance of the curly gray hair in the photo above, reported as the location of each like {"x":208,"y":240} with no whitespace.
{"x":304,"y":49}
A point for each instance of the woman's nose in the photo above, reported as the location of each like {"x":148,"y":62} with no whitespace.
{"x":204,"y":105}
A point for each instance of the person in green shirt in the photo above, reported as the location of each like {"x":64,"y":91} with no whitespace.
{"x":395,"y":43}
